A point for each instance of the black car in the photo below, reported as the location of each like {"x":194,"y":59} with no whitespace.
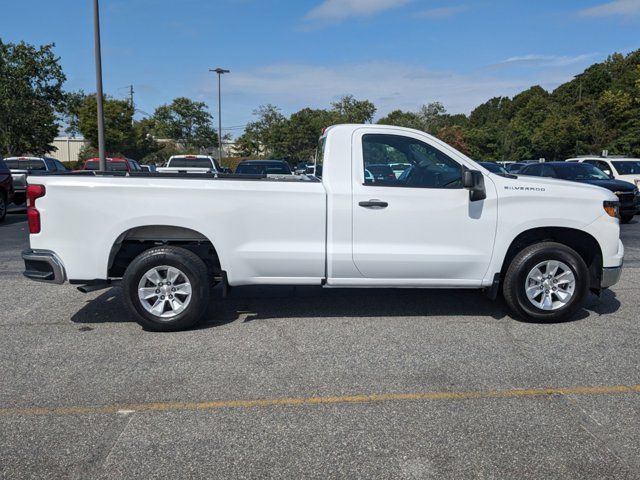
{"x":6,"y":188}
{"x":518,"y":166}
{"x":626,"y":192}
{"x":263,"y":167}
{"x":494,"y":167}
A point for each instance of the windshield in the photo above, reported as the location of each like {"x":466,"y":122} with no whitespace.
{"x":111,"y":166}
{"x":627,"y":167}
{"x":190,"y":163}
{"x":319,"y":160}
{"x":494,"y":167}
{"x":263,"y":169}
{"x":579,"y":171}
{"x":15,"y":164}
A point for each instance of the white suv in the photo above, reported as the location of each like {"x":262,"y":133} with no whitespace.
{"x":620,"y":168}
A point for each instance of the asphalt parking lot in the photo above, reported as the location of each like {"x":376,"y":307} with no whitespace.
{"x":309,"y":383}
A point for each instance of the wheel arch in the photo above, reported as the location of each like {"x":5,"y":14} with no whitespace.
{"x":582,"y":242}
{"x":132,"y":242}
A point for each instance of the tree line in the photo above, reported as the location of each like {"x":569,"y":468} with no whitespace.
{"x":597,"y":110}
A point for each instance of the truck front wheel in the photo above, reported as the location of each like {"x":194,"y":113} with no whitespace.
{"x":546,"y":282}
{"x":166,"y":289}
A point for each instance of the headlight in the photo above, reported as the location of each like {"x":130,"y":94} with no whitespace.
{"x":612,"y":208}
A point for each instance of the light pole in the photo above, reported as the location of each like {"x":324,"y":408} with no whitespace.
{"x":99,"y":96}
{"x":220,"y":72}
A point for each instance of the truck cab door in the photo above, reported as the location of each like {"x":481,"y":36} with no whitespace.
{"x":413,"y":221}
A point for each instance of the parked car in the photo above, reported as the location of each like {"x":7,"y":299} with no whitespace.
{"x":148,"y":168}
{"x":300,"y":168}
{"x":515,"y":167}
{"x":626,"y":192}
{"x":191,"y":164}
{"x":6,"y":189}
{"x":263,"y":167}
{"x":399,"y":168}
{"x":494,"y":167}
{"x":114,"y":164}
{"x":21,"y":167}
{"x":382,"y":172}
{"x":621,"y":168}
{"x":551,"y":243}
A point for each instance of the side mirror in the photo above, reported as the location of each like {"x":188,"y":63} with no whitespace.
{"x":473,"y":180}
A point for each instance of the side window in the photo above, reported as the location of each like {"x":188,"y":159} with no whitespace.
{"x":51,"y":166}
{"x":605,"y":167}
{"x":533,"y":170}
{"x":399,"y":161}
{"x":548,"y":171}
{"x":59,"y":166}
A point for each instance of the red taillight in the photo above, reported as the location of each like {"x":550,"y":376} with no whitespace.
{"x":33,"y":215}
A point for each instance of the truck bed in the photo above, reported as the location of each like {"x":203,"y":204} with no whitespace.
{"x":265,"y":230}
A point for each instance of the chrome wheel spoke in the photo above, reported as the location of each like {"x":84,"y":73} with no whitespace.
{"x":565,"y":277}
{"x":552,"y":267}
{"x":563,"y":296}
{"x":148,"y":292}
{"x":536,"y":275}
{"x":547,"y":302}
{"x":158,"y":307}
{"x":153,"y":276}
{"x":172,"y":274}
{"x":183,"y":289}
{"x":533,"y":291}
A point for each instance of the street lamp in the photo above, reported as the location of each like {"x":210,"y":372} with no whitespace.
{"x":99,"y":96}
{"x":220,"y":72}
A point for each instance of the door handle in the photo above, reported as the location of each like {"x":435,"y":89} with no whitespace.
{"x":374,"y":204}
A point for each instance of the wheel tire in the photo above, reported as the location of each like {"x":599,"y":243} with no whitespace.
{"x":515,"y":282}
{"x":626,"y":218}
{"x":190,"y":265}
{"x":3,"y":207}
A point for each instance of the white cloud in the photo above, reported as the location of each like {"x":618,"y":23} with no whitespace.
{"x":442,"y":12}
{"x":534,"y":60}
{"x":337,"y":10}
{"x":389,"y":85}
{"x":625,"y":8}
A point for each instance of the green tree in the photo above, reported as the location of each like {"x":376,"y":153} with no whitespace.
{"x":186,"y":122}
{"x":31,"y":96}
{"x":399,"y":118}
{"x":265,"y":136}
{"x":350,"y":110}
{"x":119,"y":136}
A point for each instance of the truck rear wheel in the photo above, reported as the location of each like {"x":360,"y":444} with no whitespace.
{"x":546,"y":282}
{"x":167,"y":289}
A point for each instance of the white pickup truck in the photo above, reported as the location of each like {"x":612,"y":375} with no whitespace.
{"x":445,"y":222}
{"x":190,"y":164}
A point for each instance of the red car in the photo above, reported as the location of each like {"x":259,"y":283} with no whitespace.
{"x":6,"y":189}
{"x":115,"y":164}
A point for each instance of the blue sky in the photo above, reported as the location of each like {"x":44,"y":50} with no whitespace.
{"x":294,"y":53}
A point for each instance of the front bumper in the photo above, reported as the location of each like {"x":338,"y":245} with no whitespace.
{"x":43,"y":266}
{"x":610,"y":276}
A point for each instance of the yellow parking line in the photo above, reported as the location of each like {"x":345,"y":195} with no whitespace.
{"x":381,"y":397}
